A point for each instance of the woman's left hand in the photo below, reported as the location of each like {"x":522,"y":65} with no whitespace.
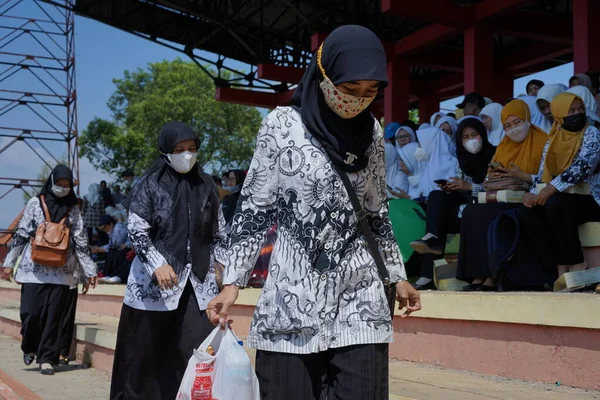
{"x":545,"y":194}
{"x":408,"y":297}
{"x":458,"y":184}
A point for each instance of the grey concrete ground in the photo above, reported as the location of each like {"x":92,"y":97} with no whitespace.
{"x":408,"y":381}
{"x":69,"y":383}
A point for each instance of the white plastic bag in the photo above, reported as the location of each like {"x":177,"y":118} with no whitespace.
{"x":234,"y":378}
{"x":227,"y":375}
{"x":197,"y":381}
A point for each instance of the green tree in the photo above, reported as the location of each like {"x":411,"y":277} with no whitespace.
{"x":413,"y":115}
{"x":145,"y":100}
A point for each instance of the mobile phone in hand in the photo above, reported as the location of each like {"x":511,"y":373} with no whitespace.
{"x":496,"y":165}
{"x":441,"y":182}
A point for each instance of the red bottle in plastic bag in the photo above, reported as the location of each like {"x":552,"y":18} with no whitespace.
{"x":202,"y":389}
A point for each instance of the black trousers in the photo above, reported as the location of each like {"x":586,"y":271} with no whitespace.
{"x":442,"y":219}
{"x":68,"y":324}
{"x":42,"y":310}
{"x":117,"y":264}
{"x":564,"y":213}
{"x":473,"y":258}
{"x":154,"y":347}
{"x":348,"y":373}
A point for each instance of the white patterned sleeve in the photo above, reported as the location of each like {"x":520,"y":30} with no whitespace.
{"x":25,"y":231}
{"x":256,"y":209}
{"x":537,"y":179}
{"x":80,"y":241}
{"x":380,"y":221}
{"x":144,"y":248}
{"x":221,"y":240}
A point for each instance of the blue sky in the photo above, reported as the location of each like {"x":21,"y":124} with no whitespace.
{"x":102,"y":54}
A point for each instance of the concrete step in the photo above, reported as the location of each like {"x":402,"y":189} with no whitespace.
{"x":96,"y":339}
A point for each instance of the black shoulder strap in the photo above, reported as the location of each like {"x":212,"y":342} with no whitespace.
{"x":364,"y":226}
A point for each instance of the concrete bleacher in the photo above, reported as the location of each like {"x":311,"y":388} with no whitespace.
{"x":589,"y":235}
{"x":543,"y":337}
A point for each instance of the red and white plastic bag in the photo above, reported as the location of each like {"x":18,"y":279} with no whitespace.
{"x":227,"y":374}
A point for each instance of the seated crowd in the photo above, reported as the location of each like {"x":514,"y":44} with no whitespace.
{"x":515,"y":180}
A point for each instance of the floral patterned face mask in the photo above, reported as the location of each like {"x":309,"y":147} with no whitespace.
{"x":345,"y":105}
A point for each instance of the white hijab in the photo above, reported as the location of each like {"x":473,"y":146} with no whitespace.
{"x":450,"y":121}
{"x":396,"y":178}
{"x":439,"y":163}
{"x":425,"y":125}
{"x":588,"y":100}
{"x":550,"y":91}
{"x":537,"y":118}
{"x":93,"y":196}
{"x":494,"y":111}
{"x":434,"y":116}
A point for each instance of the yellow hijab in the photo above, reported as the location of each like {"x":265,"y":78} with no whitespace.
{"x":564,"y":145}
{"x":526,"y":155}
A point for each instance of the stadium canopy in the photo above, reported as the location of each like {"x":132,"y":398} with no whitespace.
{"x":436,"y":49}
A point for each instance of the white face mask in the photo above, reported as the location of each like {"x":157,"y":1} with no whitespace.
{"x":60,"y":191}
{"x":182,"y":162}
{"x":421,"y":154}
{"x":473,"y":146}
{"x":519,"y":133}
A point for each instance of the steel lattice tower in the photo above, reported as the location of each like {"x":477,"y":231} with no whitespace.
{"x":38,"y":111}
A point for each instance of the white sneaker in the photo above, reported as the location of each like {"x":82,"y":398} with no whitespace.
{"x":113,"y":280}
{"x":429,"y":236}
{"x":46,"y":369}
{"x":104,"y":279}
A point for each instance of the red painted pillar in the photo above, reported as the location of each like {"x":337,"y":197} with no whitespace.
{"x":428,"y":104}
{"x":586,"y":31}
{"x":478,"y":59}
{"x":398,"y":91}
{"x":479,"y":73}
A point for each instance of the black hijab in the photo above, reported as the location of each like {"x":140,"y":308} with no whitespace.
{"x":194,"y":206}
{"x":350,"y":53}
{"x":474,"y":165}
{"x":239,"y":176}
{"x":58,"y":208}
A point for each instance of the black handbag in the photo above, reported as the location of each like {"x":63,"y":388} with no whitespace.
{"x":361,"y":215}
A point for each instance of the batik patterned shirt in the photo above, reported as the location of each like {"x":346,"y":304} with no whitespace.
{"x":323,"y":289}
{"x":584,"y":167}
{"x":142,"y":291}
{"x":30,"y":272}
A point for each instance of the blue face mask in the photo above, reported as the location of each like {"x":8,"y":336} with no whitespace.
{"x":232,"y":189}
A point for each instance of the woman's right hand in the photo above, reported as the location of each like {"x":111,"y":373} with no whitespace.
{"x":6,"y":273}
{"x":404,"y":169}
{"x":166,"y":277}
{"x":219,"y":306}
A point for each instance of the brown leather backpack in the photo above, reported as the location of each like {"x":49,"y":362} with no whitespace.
{"x":50,"y":246}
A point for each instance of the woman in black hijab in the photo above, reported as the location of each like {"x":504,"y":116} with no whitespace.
{"x":235,"y":179}
{"x":322,"y":324}
{"x":45,"y":290}
{"x":476,"y":219}
{"x":445,"y":206}
{"x":177,"y":230}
